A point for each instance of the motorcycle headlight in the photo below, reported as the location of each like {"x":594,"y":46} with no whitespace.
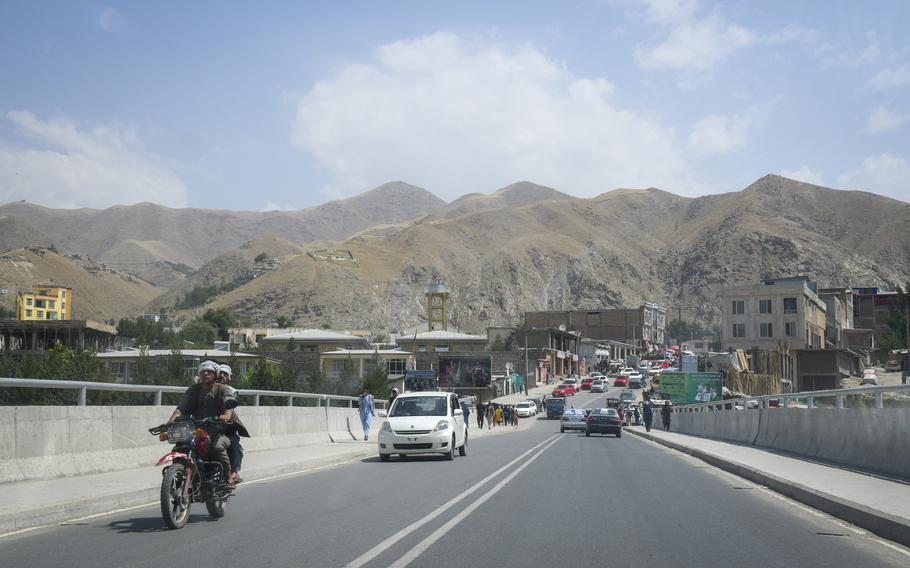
{"x":386,"y":427}
{"x":441,"y":425}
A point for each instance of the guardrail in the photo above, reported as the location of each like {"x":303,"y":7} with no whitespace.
{"x":84,"y":386}
{"x":806,"y":400}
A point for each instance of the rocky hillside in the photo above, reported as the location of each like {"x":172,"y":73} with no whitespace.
{"x":165,"y":245}
{"x":99,"y":293}
{"x":617,"y":249}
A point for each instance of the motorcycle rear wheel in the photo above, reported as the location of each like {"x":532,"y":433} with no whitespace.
{"x":173,"y":510}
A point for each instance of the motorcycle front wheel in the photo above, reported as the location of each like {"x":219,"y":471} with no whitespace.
{"x":173,"y":509}
{"x":215,"y":508}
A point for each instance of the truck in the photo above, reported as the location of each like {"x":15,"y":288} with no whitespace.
{"x":555,"y":407}
{"x":632,"y":361}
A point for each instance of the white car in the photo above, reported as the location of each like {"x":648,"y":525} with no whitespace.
{"x":598,"y":386}
{"x":533,"y":403}
{"x":524,"y":409}
{"x":424,"y":423}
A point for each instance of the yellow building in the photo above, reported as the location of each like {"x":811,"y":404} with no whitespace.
{"x":45,"y":302}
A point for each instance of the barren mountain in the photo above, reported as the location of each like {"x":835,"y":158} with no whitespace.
{"x":617,"y":249}
{"x":99,"y":293}
{"x":165,"y":244}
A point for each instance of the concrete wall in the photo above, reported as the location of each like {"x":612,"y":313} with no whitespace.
{"x":870,"y":439}
{"x":41,"y":442}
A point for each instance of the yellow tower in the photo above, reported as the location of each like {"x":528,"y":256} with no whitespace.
{"x":45,"y":302}
{"x":437,"y":314}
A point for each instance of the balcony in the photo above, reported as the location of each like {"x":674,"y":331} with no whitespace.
{"x":791,"y":311}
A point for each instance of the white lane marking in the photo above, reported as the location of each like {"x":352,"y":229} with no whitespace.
{"x":389,"y":542}
{"x":438,"y":533}
{"x":153,"y":503}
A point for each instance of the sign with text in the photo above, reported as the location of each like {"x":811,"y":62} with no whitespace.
{"x":688,"y":388}
{"x":465,"y":371}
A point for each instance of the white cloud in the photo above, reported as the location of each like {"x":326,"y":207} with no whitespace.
{"x":885,"y":174}
{"x":690,"y":43}
{"x":794,"y":33}
{"x":718,"y":134}
{"x":883,"y":120}
{"x":456,"y":117}
{"x":59,"y":165}
{"x":804,"y":174}
{"x":866,"y":56}
{"x":272,"y":206}
{"x":890,"y":78}
{"x":110,"y":20}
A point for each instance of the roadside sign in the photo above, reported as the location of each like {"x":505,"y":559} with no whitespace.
{"x":688,"y":388}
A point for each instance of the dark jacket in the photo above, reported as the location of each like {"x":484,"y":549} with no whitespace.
{"x":665,"y":413}
{"x":648,"y":413}
{"x":198,"y":404}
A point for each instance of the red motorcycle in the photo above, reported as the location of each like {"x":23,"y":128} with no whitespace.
{"x":192,"y":474}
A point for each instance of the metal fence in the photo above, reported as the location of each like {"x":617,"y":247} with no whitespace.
{"x":84,"y":386}
{"x":860,"y":397}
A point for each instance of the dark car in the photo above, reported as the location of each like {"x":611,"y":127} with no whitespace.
{"x":555,"y":407}
{"x":613,"y":401}
{"x":603,"y":421}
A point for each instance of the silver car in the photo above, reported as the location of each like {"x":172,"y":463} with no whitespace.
{"x":573,"y":419}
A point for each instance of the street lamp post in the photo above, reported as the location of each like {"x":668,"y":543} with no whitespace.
{"x":526,"y":365}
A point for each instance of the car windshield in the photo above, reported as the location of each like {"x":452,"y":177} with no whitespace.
{"x":419,"y":406}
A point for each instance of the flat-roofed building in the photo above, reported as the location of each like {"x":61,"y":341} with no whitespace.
{"x":46,"y":302}
{"x":775,"y":312}
{"x":642,"y":326}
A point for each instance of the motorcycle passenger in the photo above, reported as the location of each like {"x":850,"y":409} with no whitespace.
{"x":236,"y":430}
{"x":206,"y":399}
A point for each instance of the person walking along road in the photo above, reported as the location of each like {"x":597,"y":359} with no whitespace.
{"x":465,"y":413}
{"x":665,"y":415}
{"x":648,"y":415}
{"x":367,"y":412}
{"x":481,"y":412}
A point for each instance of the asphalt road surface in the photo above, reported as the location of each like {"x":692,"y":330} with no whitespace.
{"x":531,"y":498}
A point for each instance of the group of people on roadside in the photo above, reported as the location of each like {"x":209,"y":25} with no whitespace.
{"x":633,"y":414}
{"x":496,"y":414}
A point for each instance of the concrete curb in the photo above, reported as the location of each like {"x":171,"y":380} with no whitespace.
{"x":882,"y":524}
{"x":100,"y":504}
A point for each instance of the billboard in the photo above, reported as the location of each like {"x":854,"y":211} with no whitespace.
{"x":420,"y":381}
{"x":465,"y":371}
{"x":687,"y":388}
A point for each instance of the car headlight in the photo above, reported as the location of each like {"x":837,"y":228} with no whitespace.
{"x":441,"y":425}
{"x":386,"y":427}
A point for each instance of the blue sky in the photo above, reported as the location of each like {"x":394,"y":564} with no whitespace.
{"x":235,"y":106}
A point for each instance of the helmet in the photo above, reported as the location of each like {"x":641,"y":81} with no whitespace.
{"x":208,"y":366}
{"x":226,"y":369}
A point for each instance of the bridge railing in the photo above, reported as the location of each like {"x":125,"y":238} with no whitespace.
{"x":84,"y":386}
{"x":872,"y":396}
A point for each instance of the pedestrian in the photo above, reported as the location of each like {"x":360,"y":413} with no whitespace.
{"x":480,"y":414}
{"x":465,"y":413}
{"x":392,"y":398}
{"x":648,"y":416}
{"x":498,"y":415}
{"x":637,"y":413}
{"x":367,"y":412}
{"x":665,"y":415}
{"x":490,"y":411}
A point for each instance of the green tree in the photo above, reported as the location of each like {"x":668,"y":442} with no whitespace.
{"x":897,"y":321}
{"x":292,"y":345}
{"x":222,"y":319}
{"x":376,"y":377}
{"x":200,"y":332}
{"x":317,"y":382}
{"x":283,"y":322}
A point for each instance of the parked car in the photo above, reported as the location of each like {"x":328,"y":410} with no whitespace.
{"x":586,"y":383}
{"x":893,"y":366}
{"x":621,"y":382}
{"x":572,"y":419}
{"x":424,"y":423}
{"x":603,"y":421}
{"x":598,"y":386}
{"x":534,"y":409}
{"x":560,"y":391}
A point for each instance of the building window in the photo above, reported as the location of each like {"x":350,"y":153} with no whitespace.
{"x":118,"y":369}
{"x":28,"y":313}
{"x":39,"y":314}
{"x":790,"y":306}
{"x":765,"y":330}
{"x":422,"y":348}
{"x":442,"y":348}
{"x":52,"y":305}
{"x":764,"y":306}
{"x":739,"y":307}
{"x":28,"y":301}
{"x":396,"y":366}
{"x":790,"y":329}
{"x":739,"y":329}
{"x":51,"y":315}
{"x":62,"y":294}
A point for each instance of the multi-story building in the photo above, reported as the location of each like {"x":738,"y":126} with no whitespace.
{"x":45,"y":302}
{"x":641,"y":326}
{"x":872,"y":310}
{"x":776,"y":312}
{"x":839,"y":314}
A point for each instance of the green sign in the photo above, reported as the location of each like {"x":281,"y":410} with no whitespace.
{"x":687,"y":388}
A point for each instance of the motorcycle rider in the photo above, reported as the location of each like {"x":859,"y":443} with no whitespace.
{"x":206,"y":399}
{"x":234,"y":432}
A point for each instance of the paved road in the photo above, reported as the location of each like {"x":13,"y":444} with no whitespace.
{"x":534,"y":497}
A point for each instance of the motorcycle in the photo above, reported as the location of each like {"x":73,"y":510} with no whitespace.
{"x":192,"y":474}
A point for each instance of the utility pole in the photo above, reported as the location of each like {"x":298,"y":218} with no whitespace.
{"x":526,"y":365}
